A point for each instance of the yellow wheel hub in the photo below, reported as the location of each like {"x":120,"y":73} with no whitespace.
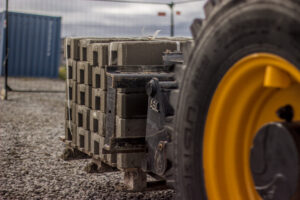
{"x":247,"y":97}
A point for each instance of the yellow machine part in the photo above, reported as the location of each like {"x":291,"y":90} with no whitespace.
{"x":247,"y":97}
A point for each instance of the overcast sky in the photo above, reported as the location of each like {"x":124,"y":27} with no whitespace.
{"x":94,"y":18}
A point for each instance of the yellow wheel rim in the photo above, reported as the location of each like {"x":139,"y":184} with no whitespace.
{"x":247,"y":97}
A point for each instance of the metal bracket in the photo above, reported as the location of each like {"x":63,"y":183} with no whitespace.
{"x":125,"y":145}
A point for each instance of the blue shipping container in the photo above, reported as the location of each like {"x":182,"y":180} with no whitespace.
{"x":34,"y":45}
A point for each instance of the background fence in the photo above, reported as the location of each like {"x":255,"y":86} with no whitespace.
{"x":110,"y":19}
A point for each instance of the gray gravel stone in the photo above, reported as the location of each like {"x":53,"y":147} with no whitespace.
{"x":30,"y":163}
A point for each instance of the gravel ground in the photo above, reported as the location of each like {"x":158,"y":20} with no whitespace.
{"x":30,"y":164}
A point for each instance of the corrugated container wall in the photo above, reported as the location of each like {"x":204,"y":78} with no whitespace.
{"x":34,"y":45}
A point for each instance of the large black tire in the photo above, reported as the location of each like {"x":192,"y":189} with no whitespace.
{"x":232,"y":30}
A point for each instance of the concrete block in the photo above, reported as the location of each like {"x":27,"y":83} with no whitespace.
{"x":79,"y":115}
{"x":69,"y":111}
{"x":96,"y":78}
{"x":83,"y":117}
{"x":110,"y":115}
{"x":130,"y":127}
{"x":135,"y":179}
{"x":103,"y":79}
{"x":99,"y":99}
{"x":132,"y":105}
{"x":81,"y":137}
{"x":86,"y":118}
{"x":113,"y":53}
{"x":97,"y":122}
{"x":95,"y":145}
{"x":74,"y":134}
{"x":81,"y":90}
{"x":84,"y":43}
{"x":83,"y":52}
{"x":71,"y":90}
{"x":103,"y":157}
{"x":68,"y":130}
{"x":79,"y":45}
{"x":132,"y":160}
{"x":87,"y":74}
{"x":71,"y":68}
{"x":111,"y":160}
{"x":74,"y":70}
{"x":143,"y":53}
{"x":92,"y":55}
{"x":74,"y":47}
{"x":67,"y":48}
{"x":88,"y":96}
{"x":74,"y":113}
{"x":71,"y":132}
{"x":74,"y":92}
{"x":88,"y":142}
{"x":84,"y":139}
{"x":182,"y":42}
{"x":98,"y":54}
{"x":80,"y":72}
{"x":84,"y":73}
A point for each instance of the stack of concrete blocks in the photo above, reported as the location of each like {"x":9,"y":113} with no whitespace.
{"x":72,"y":56}
{"x":78,"y":86}
{"x":91,"y":95}
{"x":91,"y":119}
{"x":95,"y":55}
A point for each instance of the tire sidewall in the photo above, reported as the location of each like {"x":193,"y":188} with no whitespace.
{"x":232,"y":33}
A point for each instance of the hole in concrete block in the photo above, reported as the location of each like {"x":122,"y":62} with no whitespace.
{"x":70,"y":93}
{"x":97,"y":80}
{"x":82,"y":98}
{"x":81,"y":78}
{"x":69,"y":51}
{"x":96,"y":148}
{"x":97,"y":103}
{"x":80,"y":120}
{"x":81,"y":141}
{"x":95,"y":58}
{"x":84,"y":55}
{"x":78,"y":52}
{"x":89,"y":140}
{"x":95,"y":122}
{"x":69,"y":134}
{"x":114,"y":57}
{"x":70,"y":74}
{"x":70,"y":114}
